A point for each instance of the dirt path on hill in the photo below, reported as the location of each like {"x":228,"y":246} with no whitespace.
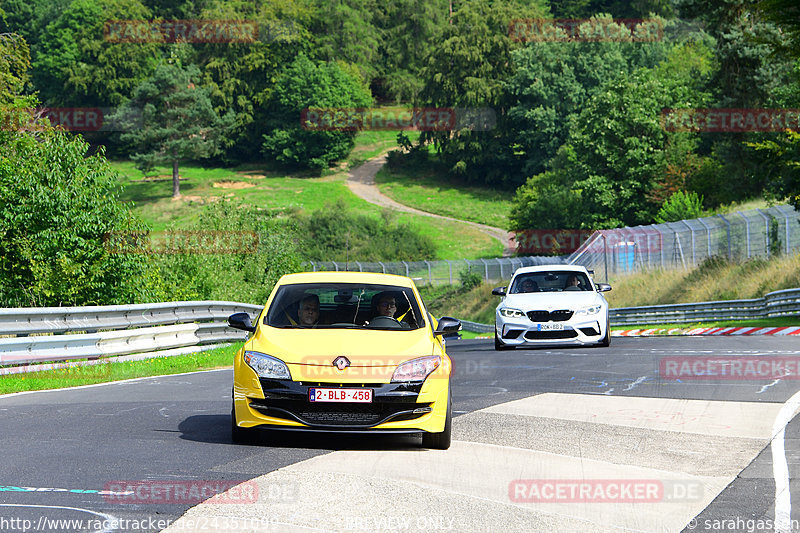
{"x":361,"y":180}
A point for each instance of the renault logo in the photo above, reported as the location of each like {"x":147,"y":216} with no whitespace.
{"x":341,"y":362}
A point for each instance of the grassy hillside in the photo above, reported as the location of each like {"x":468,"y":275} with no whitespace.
{"x":424,"y":190}
{"x":265,"y":189}
{"x":716,"y":279}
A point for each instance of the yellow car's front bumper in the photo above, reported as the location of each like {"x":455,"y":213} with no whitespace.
{"x":395,"y":408}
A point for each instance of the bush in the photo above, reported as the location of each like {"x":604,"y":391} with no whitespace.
{"x":336,"y":234}
{"x":469,"y":279}
{"x":680,"y":206}
{"x":268,"y":250}
{"x":56,"y":206}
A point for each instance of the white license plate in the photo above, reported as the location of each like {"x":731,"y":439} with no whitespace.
{"x":340,"y":395}
{"x":549,"y":327}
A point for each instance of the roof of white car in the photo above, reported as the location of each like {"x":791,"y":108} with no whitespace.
{"x":548,"y":268}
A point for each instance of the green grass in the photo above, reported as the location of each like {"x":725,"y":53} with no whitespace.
{"x":88,"y":375}
{"x":371,"y":144}
{"x":152,"y":201}
{"x":424,"y":190}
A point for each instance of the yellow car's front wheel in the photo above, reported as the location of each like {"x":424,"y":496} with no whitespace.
{"x":441,"y":441}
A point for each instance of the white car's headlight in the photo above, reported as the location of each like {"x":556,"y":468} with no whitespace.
{"x":267,"y":366}
{"x":416,"y":369}
{"x":591,"y":310}
{"x":511,"y":313}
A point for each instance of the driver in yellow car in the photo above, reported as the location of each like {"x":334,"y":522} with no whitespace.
{"x":387,"y":305}
{"x":308,"y":311}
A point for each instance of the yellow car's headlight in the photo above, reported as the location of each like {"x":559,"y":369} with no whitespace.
{"x":511,"y":313}
{"x":416,"y":369}
{"x":267,"y":366}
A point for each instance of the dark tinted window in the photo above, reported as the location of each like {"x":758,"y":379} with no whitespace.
{"x":551,"y":281}
{"x":347,"y":306}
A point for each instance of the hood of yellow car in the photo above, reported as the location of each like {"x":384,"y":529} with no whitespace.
{"x":371,"y":355}
{"x":361,"y":347}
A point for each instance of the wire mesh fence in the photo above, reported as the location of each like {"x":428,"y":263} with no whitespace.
{"x":442,"y":271}
{"x":684,"y":244}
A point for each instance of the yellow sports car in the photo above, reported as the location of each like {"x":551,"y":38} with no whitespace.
{"x":345,"y":352}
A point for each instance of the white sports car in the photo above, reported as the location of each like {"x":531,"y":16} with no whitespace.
{"x":551,"y":304}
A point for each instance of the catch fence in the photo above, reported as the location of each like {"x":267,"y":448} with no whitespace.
{"x":687,"y":243}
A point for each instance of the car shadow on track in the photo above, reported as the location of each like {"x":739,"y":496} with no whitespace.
{"x":216,"y":429}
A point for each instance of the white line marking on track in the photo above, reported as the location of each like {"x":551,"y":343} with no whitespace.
{"x":633,"y":384}
{"x":765,"y":387}
{"x":780,"y":470}
{"x":107,"y":518}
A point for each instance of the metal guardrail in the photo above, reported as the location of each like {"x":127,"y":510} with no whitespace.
{"x":34,"y":335}
{"x":779,"y":303}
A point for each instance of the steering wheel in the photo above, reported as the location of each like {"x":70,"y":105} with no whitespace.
{"x":386,"y":322}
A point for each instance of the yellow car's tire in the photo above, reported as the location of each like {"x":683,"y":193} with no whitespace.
{"x":441,"y":441}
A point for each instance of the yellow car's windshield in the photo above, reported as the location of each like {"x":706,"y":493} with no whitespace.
{"x":344,"y":305}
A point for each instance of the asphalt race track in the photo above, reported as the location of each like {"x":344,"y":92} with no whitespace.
{"x":523,"y":416}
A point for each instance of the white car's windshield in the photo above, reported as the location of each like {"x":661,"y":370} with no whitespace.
{"x":344,"y":305}
{"x":551,"y":281}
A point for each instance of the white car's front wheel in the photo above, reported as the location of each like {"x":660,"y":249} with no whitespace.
{"x":498,"y":344}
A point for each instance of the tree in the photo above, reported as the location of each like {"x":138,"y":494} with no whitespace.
{"x":748,"y":75}
{"x":56,"y":207}
{"x":616,"y":151}
{"x":75,"y":66}
{"x":177,"y":120}
{"x":346,"y":32}
{"x":467,"y":69}
{"x":241,"y":76}
{"x":402,"y":57}
{"x":552,"y":81}
{"x":305,"y":84}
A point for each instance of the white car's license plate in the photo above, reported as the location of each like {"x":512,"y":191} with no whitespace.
{"x":340,"y":395}
{"x":549,"y":327}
